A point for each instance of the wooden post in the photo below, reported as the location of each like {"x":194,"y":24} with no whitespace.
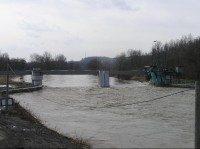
{"x":197,"y":114}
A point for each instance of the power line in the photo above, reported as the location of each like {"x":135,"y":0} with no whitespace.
{"x":62,"y":104}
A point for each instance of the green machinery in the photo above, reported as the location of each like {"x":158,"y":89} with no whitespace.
{"x":162,"y":76}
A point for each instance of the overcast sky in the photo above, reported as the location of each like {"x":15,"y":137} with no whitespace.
{"x":93,"y":27}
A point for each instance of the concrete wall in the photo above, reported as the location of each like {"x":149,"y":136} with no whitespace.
{"x":78,"y":72}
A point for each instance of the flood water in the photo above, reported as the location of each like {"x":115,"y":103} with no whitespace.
{"x":114,"y":117}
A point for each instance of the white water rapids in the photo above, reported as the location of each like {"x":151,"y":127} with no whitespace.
{"x":108,"y":118}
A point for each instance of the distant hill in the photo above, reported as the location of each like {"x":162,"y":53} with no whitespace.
{"x":104,"y":61}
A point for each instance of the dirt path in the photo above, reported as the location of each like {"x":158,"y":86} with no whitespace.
{"x":21,"y":130}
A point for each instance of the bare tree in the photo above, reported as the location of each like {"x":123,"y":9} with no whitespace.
{"x":60,"y":62}
{"x":121,"y":61}
{"x":94,"y":64}
{"x":135,"y":58}
{"x":3,"y":59}
{"x":60,"y":58}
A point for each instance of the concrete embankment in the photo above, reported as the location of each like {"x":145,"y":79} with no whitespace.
{"x":79,"y":72}
{"x":21,"y":90}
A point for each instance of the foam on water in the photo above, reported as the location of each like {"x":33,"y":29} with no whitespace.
{"x":95,"y":114}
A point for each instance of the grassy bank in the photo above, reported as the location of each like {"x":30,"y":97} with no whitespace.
{"x":12,"y":84}
{"x":3,"y":79}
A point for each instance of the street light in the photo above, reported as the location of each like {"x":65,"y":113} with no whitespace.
{"x":153,"y":52}
{"x":153,"y":43}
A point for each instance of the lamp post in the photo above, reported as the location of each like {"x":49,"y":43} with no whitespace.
{"x":153,"y":52}
{"x":7,"y":84}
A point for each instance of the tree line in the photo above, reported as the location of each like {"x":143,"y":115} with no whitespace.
{"x":45,"y":61}
{"x":183,"y":52}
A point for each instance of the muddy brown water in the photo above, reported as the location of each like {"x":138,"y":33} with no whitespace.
{"x":76,"y":107}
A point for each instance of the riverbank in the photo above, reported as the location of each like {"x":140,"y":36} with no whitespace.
{"x":19,"y":129}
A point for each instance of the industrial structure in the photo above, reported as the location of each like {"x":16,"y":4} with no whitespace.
{"x":162,"y":76}
{"x":37,"y":77}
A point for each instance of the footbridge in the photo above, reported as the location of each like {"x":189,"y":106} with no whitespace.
{"x":77,"y":72}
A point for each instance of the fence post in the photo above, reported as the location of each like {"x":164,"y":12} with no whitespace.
{"x":197,"y":114}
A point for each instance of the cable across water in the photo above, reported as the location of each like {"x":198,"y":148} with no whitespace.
{"x":107,"y":106}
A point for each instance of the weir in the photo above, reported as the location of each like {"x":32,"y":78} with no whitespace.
{"x":80,"y":72}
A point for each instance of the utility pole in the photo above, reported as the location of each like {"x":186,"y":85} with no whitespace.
{"x":153,"y":56}
{"x":197,"y":114}
{"x":7,"y":85}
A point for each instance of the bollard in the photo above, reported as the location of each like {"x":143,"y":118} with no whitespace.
{"x":197,"y":114}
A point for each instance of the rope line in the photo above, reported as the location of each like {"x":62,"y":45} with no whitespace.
{"x":139,"y":102}
{"x":119,"y":105}
{"x":33,"y":94}
{"x":12,"y":70}
{"x":62,"y":104}
{"x":25,"y":85}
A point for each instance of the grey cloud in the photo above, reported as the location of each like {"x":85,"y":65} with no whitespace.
{"x":38,"y":27}
{"x":121,"y":4}
{"x":109,"y":4}
{"x":24,"y":1}
{"x":73,"y":41}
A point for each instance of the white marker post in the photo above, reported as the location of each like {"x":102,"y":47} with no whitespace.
{"x":104,"y":79}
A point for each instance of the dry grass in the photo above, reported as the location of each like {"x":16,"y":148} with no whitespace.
{"x":80,"y":142}
{"x":2,"y":79}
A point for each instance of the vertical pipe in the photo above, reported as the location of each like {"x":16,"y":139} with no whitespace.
{"x":7,"y":83}
{"x":197,"y":114}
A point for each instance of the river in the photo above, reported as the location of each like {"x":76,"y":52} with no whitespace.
{"x":114,"y":117}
